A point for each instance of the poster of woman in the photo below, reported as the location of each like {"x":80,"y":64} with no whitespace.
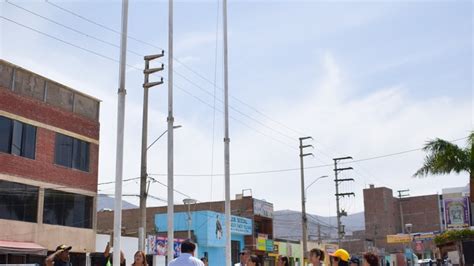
{"x":457,"y":212}
{"x":218,"y":228}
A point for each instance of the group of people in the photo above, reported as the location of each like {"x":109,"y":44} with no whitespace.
{"x":316,"y":256}
{"x":342,"y":258}
{"x":247,"y":259}
{"x":61,"y":257}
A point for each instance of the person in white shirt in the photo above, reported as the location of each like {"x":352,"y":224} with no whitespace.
{"x":244,"y":257}
{"x":187,"y":256}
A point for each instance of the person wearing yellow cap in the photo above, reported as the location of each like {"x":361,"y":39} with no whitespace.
{"x":340,"y":258}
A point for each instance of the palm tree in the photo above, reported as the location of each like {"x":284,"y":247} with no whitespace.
{"x":444,"y":157}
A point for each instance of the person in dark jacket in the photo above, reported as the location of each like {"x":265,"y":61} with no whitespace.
{"x":60,"y":257}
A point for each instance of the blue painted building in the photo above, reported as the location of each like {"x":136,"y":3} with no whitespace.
{"x":208,"y":228}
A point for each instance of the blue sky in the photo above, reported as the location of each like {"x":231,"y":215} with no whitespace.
{"x":363,"y":78}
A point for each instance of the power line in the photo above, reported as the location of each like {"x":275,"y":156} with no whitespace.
{"x":138,"y":54}
{"x":60,"y":40}
{"x":115,"y":60}
{"x":154,"y":180}
{"x":214,"y":100}
{"x":71,"y":28}
{"x":82,"y":186}
{"x":199,"y":99}
{"x":247,"y":173}
{"x":235,"y":109}
{"x":306,"y":167}
{"x":99,"y":24}
{"x":232,"y":117}
{"x":175,"y":59}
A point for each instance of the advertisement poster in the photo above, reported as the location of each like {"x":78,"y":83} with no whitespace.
{"x":419,"y":247}
{"x":157,"y":245}
{"x":269,"y":245}
{"x":261,"y":243}
{"x":400,"y":238}
{"x":216,"y":228}
{"x":240,"y":225}
{"x":263,"y":208}
{"x":457,"y":212}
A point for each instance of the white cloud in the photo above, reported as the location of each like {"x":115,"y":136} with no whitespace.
{"x":342,"y":121}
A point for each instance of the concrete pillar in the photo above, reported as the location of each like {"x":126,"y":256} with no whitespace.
{"x":39,"y":217}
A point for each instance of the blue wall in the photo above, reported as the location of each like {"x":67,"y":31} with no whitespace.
{"x":204,"y":228}
{"x":216,"y":255}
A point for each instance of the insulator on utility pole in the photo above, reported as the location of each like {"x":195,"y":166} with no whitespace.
{"x":341,"y":212}
{"x":303,"y":196}
{"x":143,"y":168}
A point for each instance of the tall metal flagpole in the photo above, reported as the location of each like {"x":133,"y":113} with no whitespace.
{"x":170,"y":119}
{"x":228,"y":257}
{"x":120,"y":135}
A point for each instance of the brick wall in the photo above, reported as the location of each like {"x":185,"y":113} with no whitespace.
{"x":42,"y":168}
{"x":354,"y":246}
{"x":31,"y":85}
{"x":47,"y":114}
{"x":382,"y":215}
{"x":131,"y":217}
{"x":422,"y":212}
{"x":381,"y":212}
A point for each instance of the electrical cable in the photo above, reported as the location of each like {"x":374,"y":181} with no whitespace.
{"x":133,"y":67}
{"x":175,"y":59}
{"x":70,"y":28}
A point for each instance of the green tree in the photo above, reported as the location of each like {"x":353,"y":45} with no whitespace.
{"x":444,"y":157}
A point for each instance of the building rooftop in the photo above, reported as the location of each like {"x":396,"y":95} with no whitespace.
{"x":26,"y":83}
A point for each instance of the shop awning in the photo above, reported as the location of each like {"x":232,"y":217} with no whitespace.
{"x":14,"y":247}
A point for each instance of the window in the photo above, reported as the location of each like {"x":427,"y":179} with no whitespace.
{"x":71,"y":152}
{"x":68,"y":209}
{"x":17,"y":138}
{"x":18,"y":201}
{"x":5,"y":134}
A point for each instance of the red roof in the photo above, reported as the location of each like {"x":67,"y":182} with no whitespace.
{"x":14,"y":247}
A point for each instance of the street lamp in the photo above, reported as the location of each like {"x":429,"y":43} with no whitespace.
{"x":174,"y":127}
{"x":188,"y":202}
{"x":305,"y":219}
{"x":408,"y":228}
{"x":143,"y":181}
{"x":321,"y":177}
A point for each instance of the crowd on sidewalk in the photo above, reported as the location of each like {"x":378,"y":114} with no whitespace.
{"x":316,"y":257}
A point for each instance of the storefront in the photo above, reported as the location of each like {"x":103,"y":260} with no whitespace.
{"x":290,"y":249}
{"x":208,"y":230}
{"x":264,"y":247}
{"x":294,"y":251}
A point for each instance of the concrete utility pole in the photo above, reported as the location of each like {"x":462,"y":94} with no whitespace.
{"x":120,"y":134}
{"x":340,"y":213}
{"x":304,"y":203}
{"x":143,"y":167}
{"x":170,"y":212}
{"x":319,"y":233}
{"x":304,"y":219}
{"x":401,"y":195}
{"x":228,"y":250}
